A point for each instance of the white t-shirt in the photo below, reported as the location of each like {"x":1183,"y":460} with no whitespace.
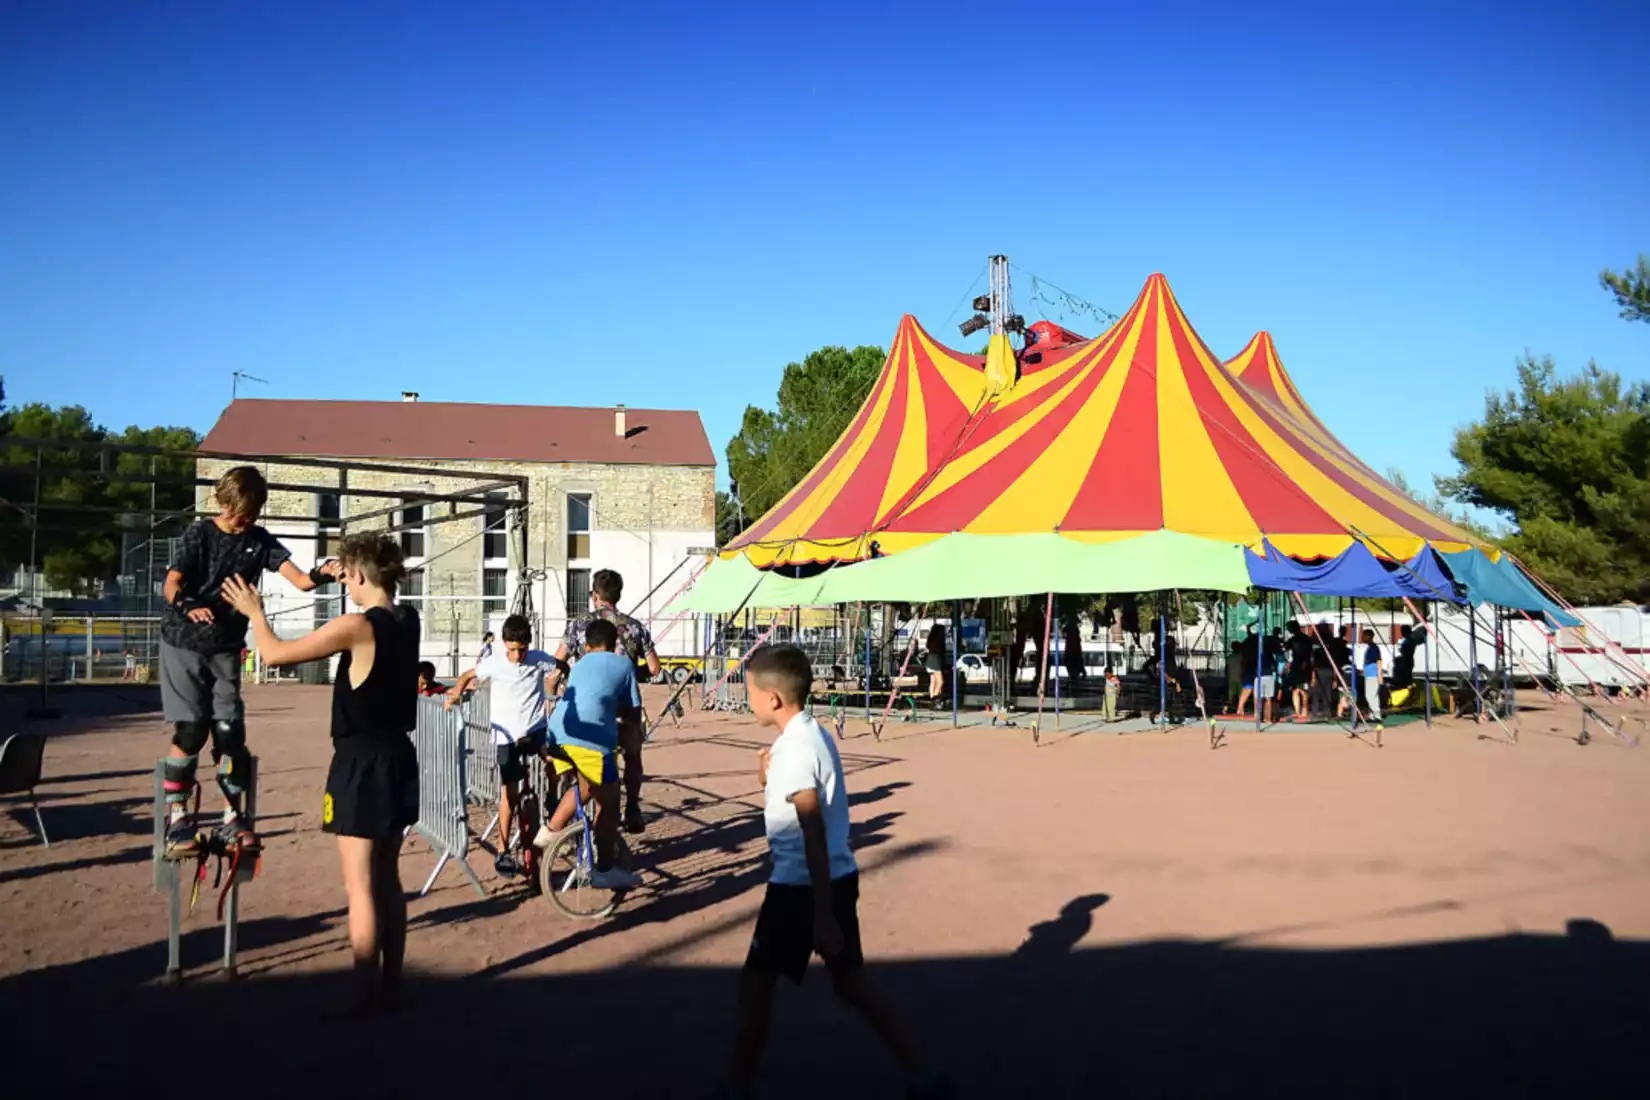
{"x":517,"y":704}
{"x":804,"y":758}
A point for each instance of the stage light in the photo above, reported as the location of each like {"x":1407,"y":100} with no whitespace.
{"x":973,"y":324}
{"x":983,"y":303}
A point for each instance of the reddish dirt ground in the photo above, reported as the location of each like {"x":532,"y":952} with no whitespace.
{"x":1296,"y":913}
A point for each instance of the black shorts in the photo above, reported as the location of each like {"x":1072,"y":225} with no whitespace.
{"x":372,"y":789}
{"x":784,"y":938}
{"x":512,"y":758}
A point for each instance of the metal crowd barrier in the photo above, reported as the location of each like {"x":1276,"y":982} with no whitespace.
{"x":482,"y":785}
{"x":443,"y":810}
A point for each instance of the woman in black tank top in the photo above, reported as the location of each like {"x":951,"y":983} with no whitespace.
{"x":372,"y":785}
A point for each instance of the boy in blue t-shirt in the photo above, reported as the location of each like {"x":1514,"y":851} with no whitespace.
{"x":584,"y":730}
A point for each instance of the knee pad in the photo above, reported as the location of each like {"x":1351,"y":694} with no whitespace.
{"x":190,"y":736}
{"x":178,"y":778}
{"x":234,"y":762}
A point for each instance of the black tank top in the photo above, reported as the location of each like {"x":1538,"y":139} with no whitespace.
{"x":385,"y":707}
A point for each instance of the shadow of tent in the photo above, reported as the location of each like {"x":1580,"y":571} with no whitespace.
{"x":1515,"y":1015}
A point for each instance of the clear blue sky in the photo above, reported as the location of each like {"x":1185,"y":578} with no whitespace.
{"x":664,"y":204}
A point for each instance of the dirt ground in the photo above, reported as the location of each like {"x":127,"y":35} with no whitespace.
{"x":1136,"y":915}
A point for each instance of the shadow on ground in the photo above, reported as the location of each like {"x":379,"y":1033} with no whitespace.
{"x":1517,"y":1015}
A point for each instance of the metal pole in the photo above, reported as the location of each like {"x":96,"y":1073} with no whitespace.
{"x":956,"y":651}
{"x":1432,"y":613}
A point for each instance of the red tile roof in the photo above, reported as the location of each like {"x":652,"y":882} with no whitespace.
{"x":458,"y":431}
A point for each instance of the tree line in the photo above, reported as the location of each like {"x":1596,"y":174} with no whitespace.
{"x":89,"y":499}
{"x":1562,"y":461}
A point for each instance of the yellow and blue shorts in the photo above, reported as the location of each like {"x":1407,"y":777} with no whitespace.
{"x":597,"y":766}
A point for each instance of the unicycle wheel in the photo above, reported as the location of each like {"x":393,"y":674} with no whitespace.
{"x":564,"y":878}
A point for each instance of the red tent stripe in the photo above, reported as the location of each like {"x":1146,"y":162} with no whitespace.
{"x":854,"y":509}
{"x":1274,"y":501}
{"x":1122,"y":489}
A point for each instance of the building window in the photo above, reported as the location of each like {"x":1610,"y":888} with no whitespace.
{"x":412,"y":588}
{"x":578,"y":526}
{"x":578,"y":592}
{"x":495,"y":530}
{"x":329,"y":513}
{"x":411,"y":518}
{"x":493,"y":582}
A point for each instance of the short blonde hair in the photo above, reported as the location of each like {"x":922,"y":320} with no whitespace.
{"x":243,"y":491}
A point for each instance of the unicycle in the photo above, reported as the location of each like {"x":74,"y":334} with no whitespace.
{"x":570,"y":859}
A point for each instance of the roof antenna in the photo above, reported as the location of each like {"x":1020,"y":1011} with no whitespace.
{"x":235,"y":382}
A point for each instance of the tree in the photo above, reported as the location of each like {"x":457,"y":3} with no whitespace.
{"x":1631,"y":289}
{"x":79,"y":548}
{"x":818,"y":397}
{"x":1567,"y":461}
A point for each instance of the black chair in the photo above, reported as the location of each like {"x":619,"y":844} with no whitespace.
{"x":21,"y":758}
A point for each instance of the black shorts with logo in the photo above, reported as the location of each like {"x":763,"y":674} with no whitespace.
{"x":372,"y":788}
{"x":512,"y":758}
{"x":784,"y":938}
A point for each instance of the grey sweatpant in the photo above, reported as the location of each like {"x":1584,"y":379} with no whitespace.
{"x":200,"y":687}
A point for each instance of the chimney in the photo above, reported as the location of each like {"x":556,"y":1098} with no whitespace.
{"x":619,"y":427}
{"x":409,"y":396}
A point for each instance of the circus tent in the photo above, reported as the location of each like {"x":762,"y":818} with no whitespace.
{"x":1139,"y":431}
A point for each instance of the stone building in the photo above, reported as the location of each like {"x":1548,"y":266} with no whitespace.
{"x":632,"y":490}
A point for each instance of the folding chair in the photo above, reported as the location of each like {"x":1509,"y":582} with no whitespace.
{"x":21,"y":758}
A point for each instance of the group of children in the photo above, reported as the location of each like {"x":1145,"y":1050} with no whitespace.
{"x":1310,"y":667}
{"x":371,"y":791}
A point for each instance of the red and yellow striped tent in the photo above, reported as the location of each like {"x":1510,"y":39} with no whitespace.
{"x":1141,"y":429}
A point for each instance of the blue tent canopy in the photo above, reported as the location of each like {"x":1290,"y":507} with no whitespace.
{"x":1355,"y":572}
{"x":1504,"y":584}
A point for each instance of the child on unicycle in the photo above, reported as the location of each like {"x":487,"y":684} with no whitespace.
{"x":601,"y":691}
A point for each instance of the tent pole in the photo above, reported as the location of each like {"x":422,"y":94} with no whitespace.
{"x":1162,"y":668}
{"x":865,"y":625}
{"x":1056,"y":651}
{"x":1260,"y":653}
{"x":1352,"y":639}
{"x":1432,"y":611}
{"x":1472,"y":658}
{"x":956,"y":652}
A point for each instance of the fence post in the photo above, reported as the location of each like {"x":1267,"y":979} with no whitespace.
{"x":91,"y":647}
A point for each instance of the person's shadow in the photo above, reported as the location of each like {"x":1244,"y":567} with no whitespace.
{"x":1057,"y":937}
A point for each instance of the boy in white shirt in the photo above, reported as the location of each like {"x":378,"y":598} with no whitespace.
{"x":812,"y":902}
{"x":516,"y":711}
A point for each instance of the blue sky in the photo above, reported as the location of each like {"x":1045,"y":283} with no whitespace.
{"x":662,"y":205}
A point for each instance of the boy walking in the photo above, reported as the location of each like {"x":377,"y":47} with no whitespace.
{"x":516,"y":711}
{"x":202,"y":637}
{"x":812,"y":902}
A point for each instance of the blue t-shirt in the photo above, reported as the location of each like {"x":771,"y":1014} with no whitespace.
{"x":1372,"y":662}
{"x":588,"y":715}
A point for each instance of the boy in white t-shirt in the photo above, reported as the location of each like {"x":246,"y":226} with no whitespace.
{"x":516,"y":711}
{"x":812,"y":903}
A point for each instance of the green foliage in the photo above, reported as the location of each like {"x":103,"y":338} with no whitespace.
{"x":1631,"y":289}
{"x":76,"y":549}
{"x":1567,"y":460}
{"x":774,"y":450}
